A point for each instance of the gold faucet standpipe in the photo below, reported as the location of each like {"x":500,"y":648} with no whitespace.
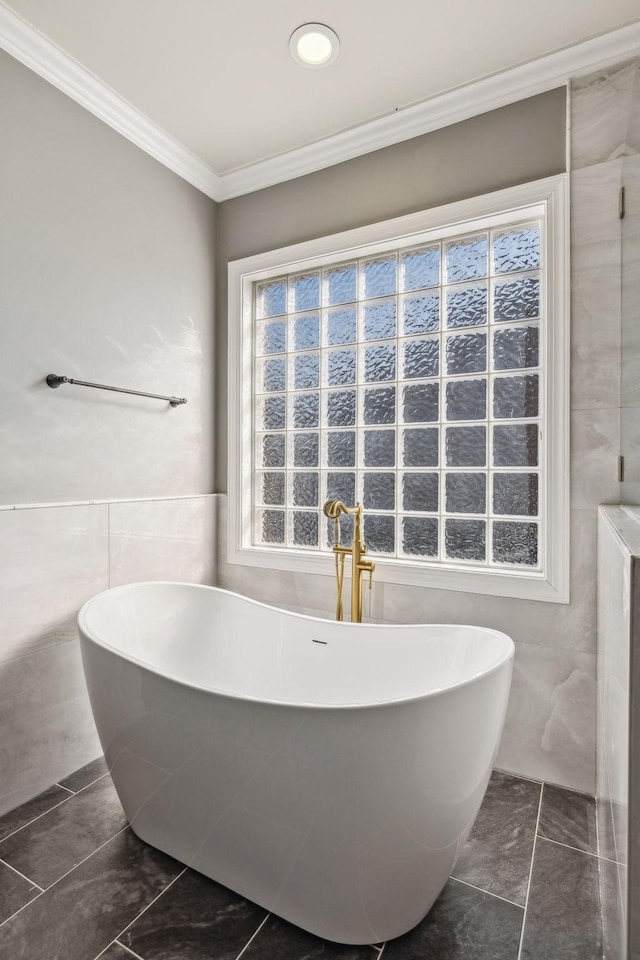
{"x":333,"y":509}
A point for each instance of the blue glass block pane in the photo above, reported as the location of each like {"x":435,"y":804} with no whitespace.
{"x":305,"y":529}
{"x":379,"y":277}
{"x":515,"y":494}
{"x":420,"y":314}
{"x":274,"y":375}
{"x":379,"y":448}
{"x":306,"y":411}
{"x":420,"y":403}
{"x":466,"y":399}
{"x":341,"y":326}
{"x":272,"y":488}
{"x":379,"y":491}
{"x":421,"y":359}
{"x":272,"y":526}
{"x":420,"y":536}
{"x":420,"y":492}
{"x":273,"y":450}
{"x":306,"y":450}
{"x":380,"y":405}
{"x":420,"y":447}
{"x":306,"y":332}
{"x":305,"y":489}
{"x":380,"y":320}
{"x":420,"y":268}
{"x":342,"y":486}
{"x":380,"y":363}
{"x":306,"y":371}
{"x":340,"y":285}
{"x":515,"y":349}
{"x":272,"y":337}
{"x":466,"y":446}
{"x":515,"y":397}
{"x":467,"y":306}
{"x":466,"y":492}
{"x":515,"y":543}
{"x":379,"y":533}
{"x":466,"y":259}
{"x":467,"y":353}
{"x":465,"y":539}
{"x":305,"y":292}
{"x":341,"y":449}
{"x":516,"y":249}
{"x":271,"y":299}
{"x":273,"y":413}
{"x":515,"y":445}
{"x":341,"y":408}
{"x":341,"y":367}
{"x":517,"y":299}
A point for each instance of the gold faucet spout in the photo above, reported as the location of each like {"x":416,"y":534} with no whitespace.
{"x":333,"y":509}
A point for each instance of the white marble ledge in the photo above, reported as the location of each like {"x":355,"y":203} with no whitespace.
{"x":91,"y":503}
{"x":624,"y":522}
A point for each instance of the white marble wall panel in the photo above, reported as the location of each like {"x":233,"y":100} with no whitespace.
{"x":595,"y":446}
{"x":52,"y":560}
{"x":163,"y":540}
{"x":631,"y":284}
{"x":46,"y":722}
{"x":601,"y":107}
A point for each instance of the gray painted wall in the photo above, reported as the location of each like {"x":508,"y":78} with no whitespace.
{"x":106,"y":274}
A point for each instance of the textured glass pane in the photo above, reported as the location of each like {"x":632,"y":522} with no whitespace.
{"x":274,"y":375}
{"x":272,"y":488}
{"x":306,"y":411}
{"x":465,"y":539}
{"x":515,"y":397}
{"x":305,"y":292}
{"x":306,"y":332}
{"x":272,"y":337}
{"x":420,"y":314}
{"x":379,"y":491}
{"x":420,"y":536}
{"x":515,"y":543}
{"x":273,"y":413}
{"x":515,"y":494}
{"x":516,"y":299}
{"x":341,"y":284}
{"x":341,"y":326}
{"x":306,"y":371}
{"x":271,"y":299}
{"x":515,"y":445}
{"x":305,"y":529}
{"x":341,"y":408}
{"x":420,"y":491}
{"x":342,"y":486}
{"x":379,"y":533}
{"x":420,"y":447}
{"x":379,"y":277}
{"x":466,"y":259}
{"x":380,"y":405}
{"x":380,"y":363}
{"x":466,"y":399}
{"x":345,"y":528}
{"x":305,"y":489}
{"x":467,"y":353}
{"x":273,"y":526}
{"x":513,"y":349}
{"x":420,"y":268}
{"x":341,"y":449}
{"x":466,"y":492}
{"x":467,"y":306}
{"x":305,"y":450}
{"x":466,"y":446}
{"x":516,"y":249}
{"x":421,"y":359}
{"x":379,"y":448}
{"x":273,"y":450}
{"x":341,"y":367}
{"x":420,"y":402}
{"x":380,"y":320}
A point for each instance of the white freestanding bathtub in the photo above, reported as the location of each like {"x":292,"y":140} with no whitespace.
{"x":330,"y":772}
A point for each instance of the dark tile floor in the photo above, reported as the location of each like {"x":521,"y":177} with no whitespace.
{"x":77,"y":884}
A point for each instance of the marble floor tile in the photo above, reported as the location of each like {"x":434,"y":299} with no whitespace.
{"x":81,"y":778}
{"x":58,"y":841}
{"x":81,"y":915}
{"x":115,"y":951}
{"x":279,"y":940}
{"x":15,"y":891}
{"x":20,"y":816}
{"x":462,"y":923}
{"x":613,"y":912}
{"x":195,"y":918}
{"x":568,"y":817}
{"x":563,"y":912}
{"x":497,"y":855}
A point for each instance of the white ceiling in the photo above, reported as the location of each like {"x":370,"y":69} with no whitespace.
{"x":218,"y":77}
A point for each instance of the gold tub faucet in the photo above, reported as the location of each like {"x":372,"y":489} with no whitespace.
{"x":333,"y":509}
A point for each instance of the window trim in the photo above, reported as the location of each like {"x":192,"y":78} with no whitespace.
{"x":551,"y":195}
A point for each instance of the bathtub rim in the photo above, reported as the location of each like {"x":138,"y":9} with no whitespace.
{"x":505,"y":659}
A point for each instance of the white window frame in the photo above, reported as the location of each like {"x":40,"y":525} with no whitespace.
{"x":546,"y":198}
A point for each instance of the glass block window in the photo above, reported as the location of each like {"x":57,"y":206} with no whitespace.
{"x":409,"y":381}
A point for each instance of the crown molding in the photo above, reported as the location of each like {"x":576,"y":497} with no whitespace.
{"x":49,"y":61}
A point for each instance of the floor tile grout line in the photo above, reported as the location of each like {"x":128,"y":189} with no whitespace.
{"x":128,"y":949}
{"x":488,"y":892}
{"x":76,"y":793}
{"x":71,"y":793}
{"x":54,"y":807}
{"x":533,"y":855}
{"x":23,"y":875}
{"x":151,"y":902}
{"x":75,"y":867}
{"x":568,"y":846}
{"x":253,"y":936}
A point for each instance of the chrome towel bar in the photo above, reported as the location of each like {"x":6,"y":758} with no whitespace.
{"x":53,"y":380}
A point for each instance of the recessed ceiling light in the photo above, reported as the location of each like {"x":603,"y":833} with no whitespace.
{"x":314,"y":45}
